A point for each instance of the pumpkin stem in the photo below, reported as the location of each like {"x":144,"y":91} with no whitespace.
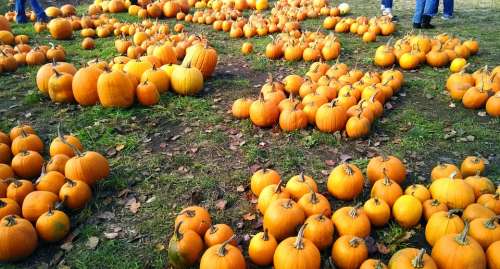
{"x":462,"y":237}
{"x":301,"y":177}
{"x":453,"y":212}
{"x":278,"y":187}
{"x":177,"y":231}
{"x":490,"y":223}
{"x":288,"y":204}
{"x":435,"y":202}
{"x":376,"y":200}
{"x":2,"y":204}
{"x":189,"y":213}
{"x":11,"y":220}
{"x":387,"y":180}
{"x":222,"y":250}
{"x":348,"y":169}
{"x":453,"y":174}
{"x":354,"y":242}
{"x":265,"y":235}
{"x":213,"y":229}
{"x":379,"y":265}
{"x":261,"y":97}
{"x":314,"y":197}
{"x":56,"y":72}
{"x":299,"y":241}
{"x":354,"y":211}
{"x":63,"y":140}
{"x":418,"y":262}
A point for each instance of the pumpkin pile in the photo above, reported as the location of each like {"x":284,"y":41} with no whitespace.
{"x":367,"y":29}
{"x":332,"y":98}
{"x":460,"y":215}
{"x":413,"y":50}
{"x":66,"y":10}
{"x":33,"y":194}
{"x":481,"y":89}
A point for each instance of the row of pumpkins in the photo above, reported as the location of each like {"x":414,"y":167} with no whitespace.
{"x":33,"y":194}
{"x":333,"y":98}
{"x":472,"y":239}
{"x":66,"y":10}
{"x":367,"y":29}
{"x":481,"y":89}
{"x":11,"y":58}
{"x":413,"y":50}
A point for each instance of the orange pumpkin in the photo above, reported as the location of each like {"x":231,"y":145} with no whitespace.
{"x":18,"y":239}
{"x":36,"y":203}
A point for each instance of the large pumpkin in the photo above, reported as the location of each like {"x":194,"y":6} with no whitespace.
{"x":186,"y":80}
{"x":89,"y":167}
{"x":60,"y":29}
{"x":47,"y":70}
{"x":264,"y":112}
{"x":282,"y":218}
{"x":455,"y":193}
{"x":441,"y":224}
{"x":115,"y":89}
{"x":202,"y":57}
{"x":262,"y":178}
{"x":85,"y":85}
{"x":297,"y":253}
{"x":18,"y":239}
{"x":53,"y":226}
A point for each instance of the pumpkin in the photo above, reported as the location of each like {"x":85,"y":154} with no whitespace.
{"x":158,"y":77}
{"x":301,"y":184}
{"x":407,"y":211}
{"x":5,"y":139}
{"x":373,"y":264}
{"x":115,"y":89}
{"x":19,"y":189}
{"x":443,"y":170}
{"x":466,"y":251}
{"x":4,"y":24}
{"x":455,"y":193}
{"x":50,"y":181}
{"x":349,"y":252}
{"x":60,"y":29}
{"x":36,"y":203}
{"x":64,"y":144}
{"x":491,"y":201}
{"x":75,"y":194}
{"x":166,"y":54}
{"x":331,"y":117}
{"x":387,"y":190}
{"x":432,"y":206}
{"x":147,"y":94}
{"x":5,"y":153}
{"x":441,"y":224}
{"x":475,"y":98}
{"x":88,"y":43}
{"x":26,"y":142}
{"x":84,"y":85}
{"x":241,"y":108}
{"x":261,"y":248}
{"x":201,"y":57}
{"x":60,"y":87}
{"x":269,"y":194}
{"x":222,"y":256}
{"x":47,"y":70}
{"x":282,"y":218}
{"x":480,"y":185}
{"x":18,"y":239}
{"x":351,"y":221}
{"x":319,"y":229}
{"x":56,"y":53}
{"x":493,"y":104}
{"x":378,"y":211}
{"x":53,"y":226}
{"x":9,"y":207}
{"x":411,"y":258}
{"x":345,"y":182}
{"x":218,"y":234}
{"x":57,"y":163}
{"x":471,"y":165}
{"x":492,"y":255}
{"x":315,"y":203}
{"x":293,"y":119}
{"x":419,"y":191}
{"x":485,"y":231}
{"x":194,"y":218}
{"x":475,"y":210}
{"x":394,"y":169}
{"x":27,"y":164}
{"x":304,"y":254}
{"x":186,"y":80}
{"x":184,"y":248}
{"x":262,"y":178}
{"x":88,"y":166}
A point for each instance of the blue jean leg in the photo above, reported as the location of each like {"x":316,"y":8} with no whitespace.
{"x":448,"y":7}
{"x":387,"y":3}
{"x":40,"y":13}
{"x":424,"y":7}
{"x":20,"y":11}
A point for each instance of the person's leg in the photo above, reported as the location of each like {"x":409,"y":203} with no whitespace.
{"x":448,"y":8}
{"x":40,"y":13}
{"x":20,"y":11}
{"x":419,"y":10}
{"x":382,"y":5}
{"x":429,"y":6}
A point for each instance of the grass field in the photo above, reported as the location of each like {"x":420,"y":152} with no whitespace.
{"x":190,"y":150}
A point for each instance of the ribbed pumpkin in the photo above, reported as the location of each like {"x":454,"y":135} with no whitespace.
{"x":331,"y":117}
{"x":57,"y":163}
{"x":432,"y":206}
{"x":387,"y":190}
{"x":18,"y":239}
{"x":261,"y":248}
{"x":297,"y":253}
{"x":394,"y":169}
{"x":222,"y":256}
{"x":349,"y":252}
{"x":59,"y":87}
{"x":47,"y":70}
{"x":269,"y":194}
{"x":36,"y":203}
{"x":166,"y":54}
{"x":345,"y":182}
{"x":9,"y":207}
{"x":64,"y":144}
{"x":315,"y":203}
{"x":241,"y":108}
{"x":471,"y":166}
{"x":351,"y":221}
{"x":50,"y":181}
{"x":492,"y":255}
{"x":475,"y":211}
{"x":466,"y":251}
{"x":202,"y":57}
{"x":485,"y":231}
{"x":27,"y":164}
{"x":53,"y":226}
{"x":293,"y":119}
{"x":184,"y":248}
{"x":19,"y":189}
{"x":186,"y":80}
{"x":491,"y":201}
{"x":411,"y":258}
{"x":26,"y":142}
{"x":84,"y":85}
{"x":480,"y":185}
{"x":115,"y":89}
{"x":301,"y":184}
{"x":158,"y":77}
{"x":455,"y":193}
{"x":443,"y":170}
{"x":378,"y":211}
{"x":194,"y":218}
{"x":441,"y":224}
{"x":75,"y":194}
{"x":419,"y":191}
{"x":262,"y":178}
{"x":88,"y":166}
{"x":407,"y":211}
{"x":282,"y":217}
{"x":60,"y":29}
{"x":319,"y":230}
{"x":218,"y":234}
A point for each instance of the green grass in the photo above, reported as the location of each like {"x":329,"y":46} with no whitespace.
{"x":189,"y":150}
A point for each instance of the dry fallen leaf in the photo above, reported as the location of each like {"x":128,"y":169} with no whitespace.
{"x":382,"y":248}
{"x":119,"y":147}
{"x":249,"y":217}
{"x":240,"y":188}
{"x":92,"y":243}
{"x":67,"y":246}
{"x":133,"y":205}
{"x":111,"y":235}
{"x":221,"y":204}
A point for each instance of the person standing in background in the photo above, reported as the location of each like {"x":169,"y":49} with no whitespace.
{"x":447,"y":9}
{"x":37,"y":8}
{"x":424,"y":10}
{"x":386,"y":7}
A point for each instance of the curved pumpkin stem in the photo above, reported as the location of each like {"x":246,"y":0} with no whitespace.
{"x":63,"y":140}
{"x":2,"y":204}
{"x":302,"y":177}
{"x":177,"y":231}
{"x":278,"y":187}
{"x":418,"y":262}
{"x":453,"y":212}
{"x":10,"y":220}
{"x":435,"y":202}
{"x":354,"y":211}
{"x":461,"y":239}
{"x":222,"y":250}
{"x":490,"y":223}
{"x":299,"y":242}
{"x":213,"y":229}
{"x":348,"y":169}
{"x":354,"y":242}
{"x":265,"y":235}
{"x":189,"y":213}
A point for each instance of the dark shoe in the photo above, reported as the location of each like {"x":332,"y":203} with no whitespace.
{"x":395,"y":18}
{"x":43,"y":19}
{"x":21,"y":19}
{"x":426,"y":22}
{"x":417,"y":25}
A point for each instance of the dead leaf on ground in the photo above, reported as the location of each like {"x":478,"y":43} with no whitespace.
{"x":119,"y":147}
{"x":67,"y":246}
{"x":240,"y":188}
{"x":221,"y":204}
{"x":133,"y":205}
{"x":92,"y":242}
{"x":111,"y":235}
{"x":382,"y":248}
{"x":249,"y":216}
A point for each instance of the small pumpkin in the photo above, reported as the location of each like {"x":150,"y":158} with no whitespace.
{"x":264,"y":112}
{"x":27,"y":164}
{"x":319,"y":229}
{"x":75,"y":194}
{"x":186,"y":80}
{"x":269,"y":194}
{"x":345,"y":182}
{"x":331,"y":117}
{"x":57,"y":163}
{"x":475,"y":211}
{"x":9,"y":207}
{"x":282,"y":218}
{"x":18,"y":239}
{"x":300,"y":184}
{"x":222,"y":256}
{"x":432,"y":206}
{"x":394,"y":169}
{"x":241,"y":108}
{"x":84,"y":85}
{"x":350,"y":220}
{"x":378,"y":211}
{"x":480,"y":185}
{"x":485,"y":231}
{"x":441,"y":224}
{"x":194,"y":218}
{"x":36,"y":203}
{"x":455,"y":193}
{"x":53,"y":225}
{"x":115,"y":89}
{"x":88,"y":166}
{"x":147,"y":94}
{"x":306,"y":254}
{"x":50,"y":181}
{"x":315,"y":203}
{"x":261,"y":248}
{"x":373,"y":264}
{"x":60,"y":29}
{"x":443,"y":170}
{"x":407,"y":211}
{"x":387,"y":190}
{"x":491,"y":201}
{"x":419,"y":191}
{"x":26,"y":142}
{"x":471,"y":165}
{"x":349,"y":252}
{"x":411,"y":258}
{"x":218,"y":234}
{"x":262,"y":178}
